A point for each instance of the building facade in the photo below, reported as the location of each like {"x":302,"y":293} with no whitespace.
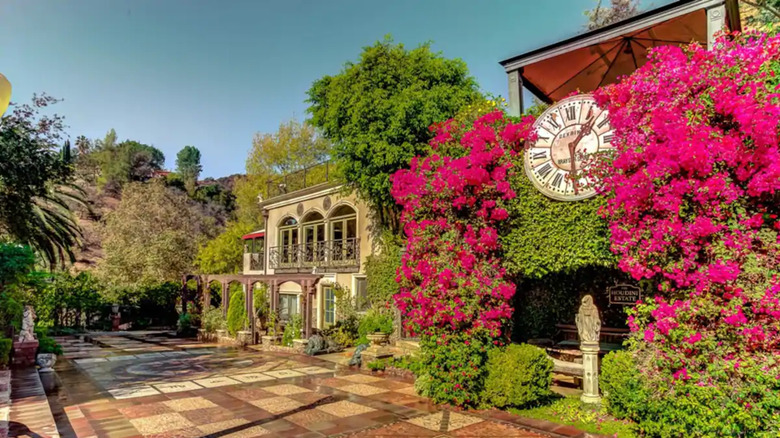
{"x":315,"y":229}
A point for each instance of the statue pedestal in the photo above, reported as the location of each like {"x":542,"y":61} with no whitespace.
{"x":115,"y":320}
{"x":24,"y":353}
{"x":590,"y":365}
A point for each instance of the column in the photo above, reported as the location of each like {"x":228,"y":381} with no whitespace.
{"x":205,"y":293}
{"x":716,"y":21}
{"x":515,"y":93}
{"x":250,"y":307}
{"x":305,"y":304}
{"x":184,"y":294}
{"x":225,"y":299}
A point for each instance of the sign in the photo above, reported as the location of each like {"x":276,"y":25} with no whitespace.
{"x":624,"y":294}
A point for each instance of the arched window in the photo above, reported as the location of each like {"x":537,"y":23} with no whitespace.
{"x":313,"y":228}
{"x":343,"y":235}
{"x":288,"y":240}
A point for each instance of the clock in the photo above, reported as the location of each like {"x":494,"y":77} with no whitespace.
{"x":570,"y":134}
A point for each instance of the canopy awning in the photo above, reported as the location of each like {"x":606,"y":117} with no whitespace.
{"x":591,"y":60}
{"x":254,"y":235}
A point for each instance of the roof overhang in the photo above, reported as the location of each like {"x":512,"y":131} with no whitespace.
{"x":585,"y":62}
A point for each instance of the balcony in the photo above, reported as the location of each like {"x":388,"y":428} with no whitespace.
{"x":254,"y":262}
{"x":329,"y":256}
{"x":299,"y":180}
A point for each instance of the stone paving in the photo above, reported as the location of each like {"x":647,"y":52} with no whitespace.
{"x":158,"y":386}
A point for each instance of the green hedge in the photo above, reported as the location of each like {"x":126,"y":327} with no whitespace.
{"x":624,"y":394}
{"x":517,"y":376}
{"x":292,"y":330}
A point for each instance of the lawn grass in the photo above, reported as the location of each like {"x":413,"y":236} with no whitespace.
{"x":571,"y":411}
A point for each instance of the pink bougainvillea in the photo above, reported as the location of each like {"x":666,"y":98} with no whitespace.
{"x":453,"y":204}
{"x":692,"y":204}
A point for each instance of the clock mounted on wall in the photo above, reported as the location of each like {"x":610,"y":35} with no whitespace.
{"x":569,"y":134}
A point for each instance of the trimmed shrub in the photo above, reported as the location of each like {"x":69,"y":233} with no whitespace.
{"x":517,"y":375}
{"x":452,"y":367}
{"x":213,"y":320}
{"x":5,"y":351}
{"x":48,"y":345}
{"x":292,"y":330}
{"x":236,"y":318}
{"x":374,"y":321}
{"x":625,"y":395}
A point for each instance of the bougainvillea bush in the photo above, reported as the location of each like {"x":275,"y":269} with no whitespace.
{"x":692,"y":203}
{"x":453,"y":290}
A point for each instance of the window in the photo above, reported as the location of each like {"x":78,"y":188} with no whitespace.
{"x":288,"y":306}
{"x":343,"y":233}
{"x":313,"y":237}
{"x":288,"y":240}
{"x":361,"y":294}
{"x":330,"y":305}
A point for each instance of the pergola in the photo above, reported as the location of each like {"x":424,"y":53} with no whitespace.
{"x":596,"y":58}
{"x":307,"y":282}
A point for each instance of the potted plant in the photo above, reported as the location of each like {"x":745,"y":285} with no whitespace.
{"x":376,"y":327}
{"x":47,"y":353}
{"x":272,"y":336}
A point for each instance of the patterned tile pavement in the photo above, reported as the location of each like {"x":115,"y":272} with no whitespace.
{"x":133,"y":385}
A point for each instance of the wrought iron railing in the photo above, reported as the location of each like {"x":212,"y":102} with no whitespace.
{"x":301,"y":179}
{"x":257,"y":261}
{"x":344,"y":253}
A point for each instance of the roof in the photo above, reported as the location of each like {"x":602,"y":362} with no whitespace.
{"x":254,"y":235}
{"x":590,"y":60}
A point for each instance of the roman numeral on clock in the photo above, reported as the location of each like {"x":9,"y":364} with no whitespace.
{"x":557,"y":180}
{"x":570,"y":113}
{"x":545,"y":170}
{"x":608,"y":138}
{"x":554,"y":123}
{"x":539,"y":155}
{"x":603,"y":122}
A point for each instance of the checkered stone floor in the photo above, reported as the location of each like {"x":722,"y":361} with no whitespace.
{"x":127,"y":386}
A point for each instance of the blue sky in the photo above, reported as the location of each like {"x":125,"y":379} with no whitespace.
{"x":212,"y":73}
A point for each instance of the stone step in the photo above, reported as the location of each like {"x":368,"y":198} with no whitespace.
{"x":407,"y":346}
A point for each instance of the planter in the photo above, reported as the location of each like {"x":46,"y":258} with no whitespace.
{"x":204,"y":336}
{"x":378,"y":339}
{"x":115,"y":308}
{"x":46,"y":361}
{"x":270,"y":340}
{"x":299,"y":345}
{"x":222,"y":333}
{"x":244,"y":337}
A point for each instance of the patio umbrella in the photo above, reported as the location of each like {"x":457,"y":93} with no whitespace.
{"x":603,"y":62}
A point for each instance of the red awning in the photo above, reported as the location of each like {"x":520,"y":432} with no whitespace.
{"x":254,"y":235}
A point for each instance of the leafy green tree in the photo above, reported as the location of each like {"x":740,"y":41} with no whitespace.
{"x":188,"y":166}
{"x":377,"y":112}
{"x":224,"y":253}
{"x":36,"y":183}
{"x":128,"y":161}
{"x":152,"y":236}
{"x":237,"y":318}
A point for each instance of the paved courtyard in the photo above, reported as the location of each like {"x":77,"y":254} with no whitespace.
{"x":157,"y":386}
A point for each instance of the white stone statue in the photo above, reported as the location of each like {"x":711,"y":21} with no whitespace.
{"x":28,"y":323}
{"x":588,"y":321}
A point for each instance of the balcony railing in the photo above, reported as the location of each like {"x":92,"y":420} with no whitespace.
{"x":301,"y":179}
{"x":330,"y":254}
{"x":257,"y":261}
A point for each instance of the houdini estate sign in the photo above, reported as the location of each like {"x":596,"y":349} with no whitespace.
{"x":624,"y":294}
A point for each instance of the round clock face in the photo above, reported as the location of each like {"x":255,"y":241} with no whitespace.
{"x":569,"y":135}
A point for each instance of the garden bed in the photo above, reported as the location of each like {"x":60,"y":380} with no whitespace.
{"x":572,"y":412}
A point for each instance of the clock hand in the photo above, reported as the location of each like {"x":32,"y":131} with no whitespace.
{"x":573,"y":148}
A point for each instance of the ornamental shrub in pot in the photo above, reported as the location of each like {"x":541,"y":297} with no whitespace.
{"x":47,"y":353}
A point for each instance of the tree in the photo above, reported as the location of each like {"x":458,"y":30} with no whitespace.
{"x":618,"y":11}
{"x":188,"y":166}
{"x":760,"y":14}
{"x":378,"y":111}
{"x":224,"y":253}
{"x":128,"y":161}
{"x":152,"y":236}
{"x":36,"y":189}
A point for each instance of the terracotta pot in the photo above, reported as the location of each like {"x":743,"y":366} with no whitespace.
{"x":46,"y":361}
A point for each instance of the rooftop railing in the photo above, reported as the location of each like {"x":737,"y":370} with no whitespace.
{"x":300,"y":179}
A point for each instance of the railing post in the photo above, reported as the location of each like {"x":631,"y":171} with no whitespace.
{"x":327,"y":171}
{"x":304,"y":178}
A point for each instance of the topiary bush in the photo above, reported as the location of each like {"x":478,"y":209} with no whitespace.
{"x":5,"y":352}
{"x":625,"y":396}
{"x":292,"y":330}
{"x":236,"y":318}
{"x":517,"y":376}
